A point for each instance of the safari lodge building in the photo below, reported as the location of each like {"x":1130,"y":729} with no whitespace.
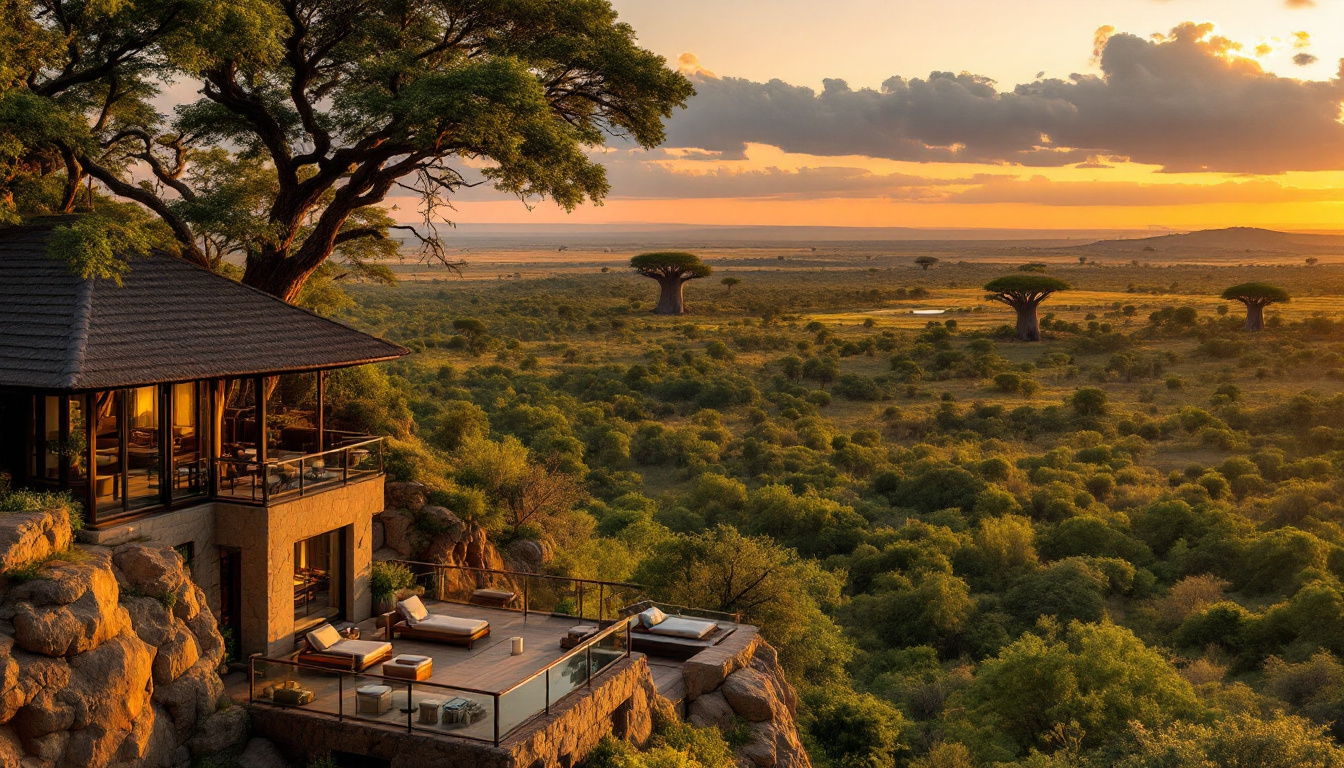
{"x":189,"y":410}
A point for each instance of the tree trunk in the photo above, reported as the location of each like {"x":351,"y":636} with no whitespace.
{"x":670,"y":301}
{"x":1255,"y":317}
{"x":1028,"y":327}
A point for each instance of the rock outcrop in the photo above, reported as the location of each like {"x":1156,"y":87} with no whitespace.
{"x":411,"y":528}
{"x":740,"y":680}
{"x":108,"y":657}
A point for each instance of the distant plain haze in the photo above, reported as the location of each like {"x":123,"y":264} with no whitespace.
{"x":982,"y":114}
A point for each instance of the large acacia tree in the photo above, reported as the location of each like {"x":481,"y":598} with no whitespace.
{"x":1256,"y":296}
{"x":310,"y":112}
{"x":1024,"y":293}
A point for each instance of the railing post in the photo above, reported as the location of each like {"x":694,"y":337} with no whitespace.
{"x":301,"y":474}
{"x":601,"y":601}
{"x":410,"y":709}
{"x":547,"y":673}
{"x":496,"y":719}
{"x":578,"y":586}
{"x":340,"y":698}
{"x":589,"y":653}
{"x":345,"y":467}
{"x":527,"y":580}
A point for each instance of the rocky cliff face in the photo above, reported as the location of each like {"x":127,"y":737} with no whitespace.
{"x":108,"y":657}
{"x":741,"y":679}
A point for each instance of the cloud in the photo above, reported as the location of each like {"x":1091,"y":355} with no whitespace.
{"x":1041,"y":191}
{"x":689,"y":64}
{"x":1300,"y":3}
{"x":1184,"y":101}
{"x":1301,"y":39}
{"x":1304,"y":59}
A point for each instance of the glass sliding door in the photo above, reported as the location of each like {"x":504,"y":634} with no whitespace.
{"x":188,"y":422}
{"x":319,"y":580}
{"x":108,"y":475}
{"x":143,"y":448}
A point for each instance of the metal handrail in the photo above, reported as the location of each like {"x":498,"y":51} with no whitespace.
{"x":526,"y":578}
{"x":584,"y":648}
{"x":257,"y":468}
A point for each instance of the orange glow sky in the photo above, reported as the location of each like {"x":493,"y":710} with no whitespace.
{"x":1196,"y":175}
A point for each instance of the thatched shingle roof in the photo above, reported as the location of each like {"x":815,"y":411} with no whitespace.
{"x":169,"y":321}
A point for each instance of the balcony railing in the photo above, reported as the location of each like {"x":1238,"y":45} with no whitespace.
{"x":531,"y":592}
{"x":425,"y":707}
{"x":293,"y":475}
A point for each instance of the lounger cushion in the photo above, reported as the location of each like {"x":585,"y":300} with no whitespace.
{"x":412,"y":609}
{"x":493,"y":594}
{"x":652,"y":618}
{"x":323,"y":637}
{"x":450,"y":626}
{"x":361,"y":650}
{"x":687,"y":628}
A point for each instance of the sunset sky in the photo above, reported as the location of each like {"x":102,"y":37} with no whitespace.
{"x":1038,"y":113}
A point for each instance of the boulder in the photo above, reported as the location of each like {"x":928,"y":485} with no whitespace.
{"x":31,"y":536}
{"x":153,"y":571}
{"x":440,"y":521}
{"x":397,"y":531}
{"x":151,"y":621}
{"x":176,"y":656}
{"x":11,"y":749}
{"x":760,"y":750}
{"x":711,"y":710}
{"x":408,"y":496}
{"x":261,"y":753}
{"x":707,"y":670}
{"x":49,"y":625}
{"x":190,"y":698}
{"x":751,"y":695}
{"x":222,"y":730}
{"x":530,"y":554}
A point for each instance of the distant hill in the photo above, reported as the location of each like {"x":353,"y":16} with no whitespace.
{"x":1231,"y":240}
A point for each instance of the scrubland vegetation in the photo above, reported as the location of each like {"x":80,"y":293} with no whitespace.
{"x":1121,"y":545}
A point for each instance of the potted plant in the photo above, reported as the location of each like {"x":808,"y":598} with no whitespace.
{"x":387,"y":581}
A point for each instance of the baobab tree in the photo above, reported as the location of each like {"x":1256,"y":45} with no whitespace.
{"x":729,"y":282}
{"x":926,"y":261}
{"x":1256,"y":296}
{"x":672,"y":269}
{"x":1024,"y":293}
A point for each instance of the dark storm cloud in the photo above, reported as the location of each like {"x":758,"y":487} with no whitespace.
{"x":1180,"y":102}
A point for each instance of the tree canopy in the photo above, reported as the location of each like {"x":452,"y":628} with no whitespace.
{"x":312,"y":111}
{"x":670,"y":264}
{"x":1256,"y":293}
{"x":1024,"y":287}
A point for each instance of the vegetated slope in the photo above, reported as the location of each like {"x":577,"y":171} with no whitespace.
{"x":964,"y":547}
{"x":1234,"y":239}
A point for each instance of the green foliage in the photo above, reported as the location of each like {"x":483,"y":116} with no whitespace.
{"x":686,"y":266}
{"x":386,"y":579}
{"x":1095,"y":677}
{"x":1260,"y":293}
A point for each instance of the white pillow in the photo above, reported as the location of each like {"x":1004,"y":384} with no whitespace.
{"x":323,"y":637}
{"x":413,"y":609}
{"x":652,"y":617}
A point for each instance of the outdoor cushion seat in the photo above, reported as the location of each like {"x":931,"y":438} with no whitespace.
{"x":692,"y":629}
{"x":493,"y":596}
{"x":407,"y":667}
{"x":450,"y":625}
{"x":326,"y":647}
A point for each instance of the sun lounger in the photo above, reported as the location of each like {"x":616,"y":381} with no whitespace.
{"x":413,"y":621}
{"x":326,"y":648}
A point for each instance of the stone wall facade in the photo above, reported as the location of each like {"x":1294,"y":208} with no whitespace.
{"x":266,"y":537}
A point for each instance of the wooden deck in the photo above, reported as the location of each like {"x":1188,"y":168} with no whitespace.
{"x":489,"y":667}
